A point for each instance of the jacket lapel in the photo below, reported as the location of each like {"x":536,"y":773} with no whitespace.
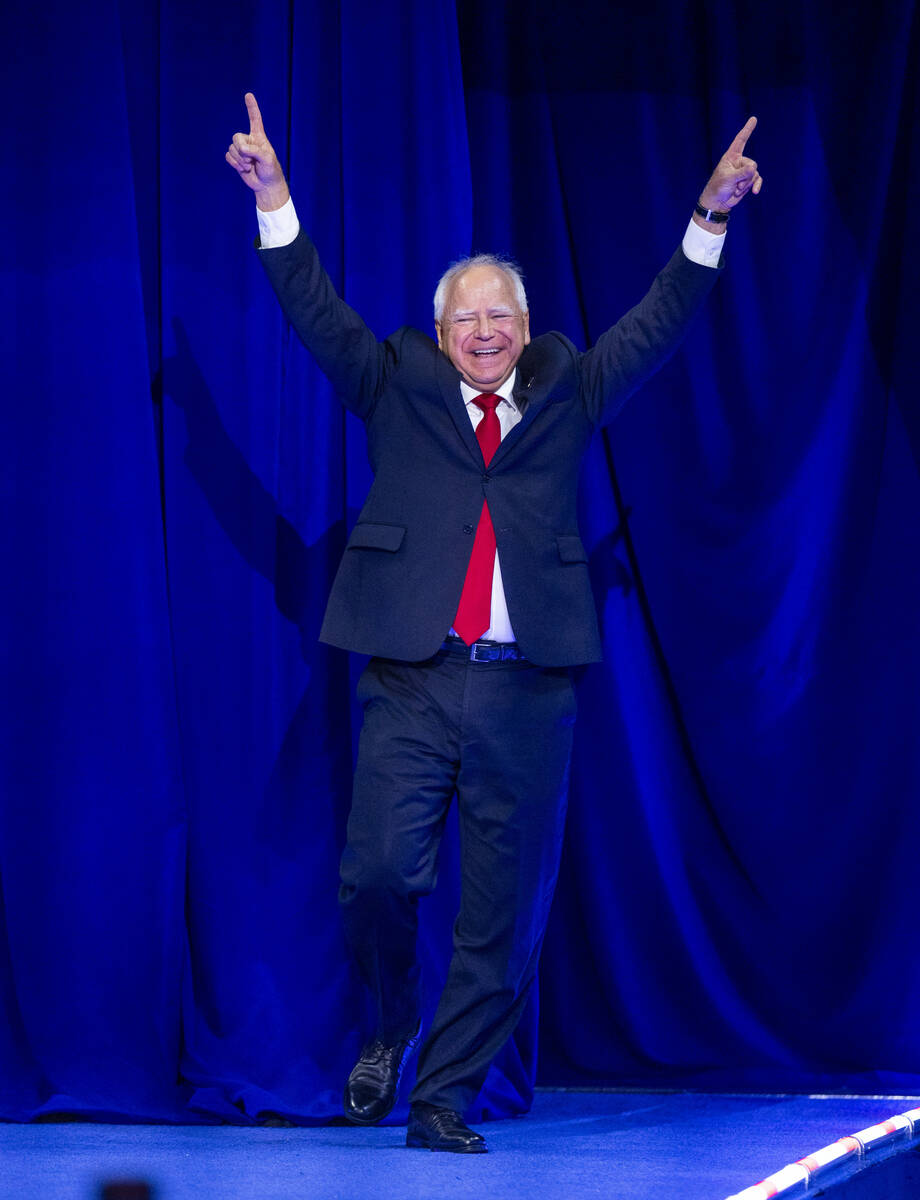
{"x":449,"y":383}
{"x":530,"y":397}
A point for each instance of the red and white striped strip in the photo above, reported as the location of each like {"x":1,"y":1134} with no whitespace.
{"x":773,"y":1185}
{"x":802,"y":1172}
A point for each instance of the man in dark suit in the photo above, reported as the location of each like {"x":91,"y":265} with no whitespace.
{"x":466,"y":581}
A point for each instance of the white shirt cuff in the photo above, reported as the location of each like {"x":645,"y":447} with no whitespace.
{"x":701,"y":246}
{"x":278,"y":228}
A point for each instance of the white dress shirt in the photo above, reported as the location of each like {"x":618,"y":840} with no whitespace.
{"x":279,"y":228}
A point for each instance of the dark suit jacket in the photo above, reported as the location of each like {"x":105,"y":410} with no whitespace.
{"x":396,"y":591}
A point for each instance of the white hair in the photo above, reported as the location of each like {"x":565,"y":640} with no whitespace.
{"x":511,"y":269}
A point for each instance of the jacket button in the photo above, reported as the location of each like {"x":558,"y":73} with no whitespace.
{"x":485,"y":479}
{"x":467,"y":528}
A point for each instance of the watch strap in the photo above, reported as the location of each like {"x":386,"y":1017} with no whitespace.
{"x":711,"y":214}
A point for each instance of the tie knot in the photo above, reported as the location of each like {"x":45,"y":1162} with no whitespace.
{"x":488,"y":401}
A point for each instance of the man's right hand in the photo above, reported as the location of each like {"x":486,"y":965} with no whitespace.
{"x":252,"y":157}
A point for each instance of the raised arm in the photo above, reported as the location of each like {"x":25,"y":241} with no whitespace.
{"x":346,"y":350}
{"x":252,"y":157}
{"x":646,"y":337}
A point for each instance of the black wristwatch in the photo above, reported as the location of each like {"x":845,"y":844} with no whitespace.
{"x":711,"y":214}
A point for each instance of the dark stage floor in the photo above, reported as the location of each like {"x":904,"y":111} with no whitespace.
{"x":623,"y":1145}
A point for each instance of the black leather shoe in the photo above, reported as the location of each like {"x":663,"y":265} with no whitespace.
{"x":373,"y":1085}
{"x":434,"y":1128}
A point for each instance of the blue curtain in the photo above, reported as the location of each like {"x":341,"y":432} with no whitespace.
{"x":735,"y":908}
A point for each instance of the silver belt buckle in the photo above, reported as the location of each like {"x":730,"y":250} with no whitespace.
{"x":481,"y":652}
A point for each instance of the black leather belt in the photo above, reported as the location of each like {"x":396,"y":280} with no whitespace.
{"x":486,"y":652}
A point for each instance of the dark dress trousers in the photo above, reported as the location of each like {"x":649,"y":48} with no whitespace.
{"x":496,"y":733}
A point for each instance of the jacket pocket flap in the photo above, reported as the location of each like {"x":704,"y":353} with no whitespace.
{"x":377,"y":537}
{"x":570,"y":549}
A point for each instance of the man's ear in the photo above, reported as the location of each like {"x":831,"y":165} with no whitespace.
{"x":440,"y":332}
{"x":526,"y":328}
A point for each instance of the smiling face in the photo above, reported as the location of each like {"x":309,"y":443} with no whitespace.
{"x":482,"y":330}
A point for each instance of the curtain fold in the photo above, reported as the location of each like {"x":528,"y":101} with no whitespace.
{"x":93,"y":817}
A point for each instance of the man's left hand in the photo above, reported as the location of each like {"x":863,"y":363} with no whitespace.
{"x":734,"y":176}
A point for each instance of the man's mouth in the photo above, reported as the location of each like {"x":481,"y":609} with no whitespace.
{"x":483,"y":353}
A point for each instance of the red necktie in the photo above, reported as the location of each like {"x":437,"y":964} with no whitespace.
{"x":474,"y":612}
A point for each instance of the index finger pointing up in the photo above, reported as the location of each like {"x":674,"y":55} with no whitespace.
{"x":255,"y":117}
{"x":737,"y":147}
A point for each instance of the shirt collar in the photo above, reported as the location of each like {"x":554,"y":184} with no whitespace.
{"x":469,"y":394}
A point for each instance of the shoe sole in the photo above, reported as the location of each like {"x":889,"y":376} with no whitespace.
{"x":363,"y":1120}
{"x":417,"y":1143}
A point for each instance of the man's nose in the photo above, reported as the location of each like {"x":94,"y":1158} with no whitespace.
{"x":484,"y":327}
